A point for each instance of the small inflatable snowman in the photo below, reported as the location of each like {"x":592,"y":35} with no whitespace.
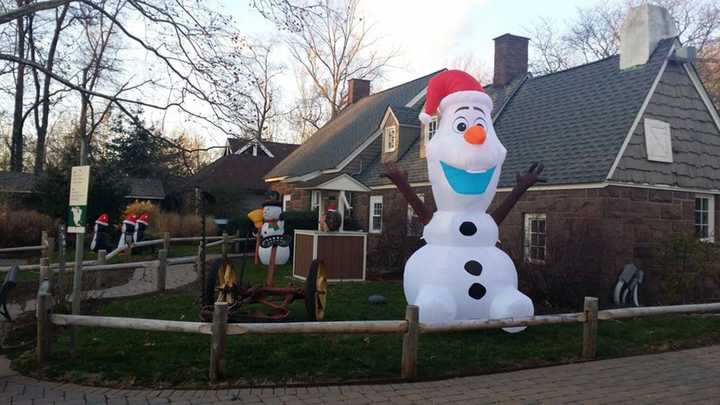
{"x":272,"y":234}
{"x":101,"y":234}
{"x":460,"y":273}
{"x":127,"y":232}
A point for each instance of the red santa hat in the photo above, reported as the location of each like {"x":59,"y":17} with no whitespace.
{"x":144,"y":219}
{"x":450,"y":87}
{"x":130,"y":219}
{"x":103,"y":219}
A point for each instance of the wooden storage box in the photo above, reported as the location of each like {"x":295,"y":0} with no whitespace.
{"x":344,"y":254}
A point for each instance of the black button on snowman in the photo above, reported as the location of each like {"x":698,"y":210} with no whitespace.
{"x":460,"y":273}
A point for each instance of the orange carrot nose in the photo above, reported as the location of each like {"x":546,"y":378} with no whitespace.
{"x":475,"y":135}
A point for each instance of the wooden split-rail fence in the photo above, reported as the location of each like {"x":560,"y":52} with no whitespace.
{"x":411,"y":329}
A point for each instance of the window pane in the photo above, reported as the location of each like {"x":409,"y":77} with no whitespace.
{"x":541,"y":239}
{"x":533,"y":225}
{"x":541,"y":225}
{"x":541,"y":253}
{"x":377,"y":222}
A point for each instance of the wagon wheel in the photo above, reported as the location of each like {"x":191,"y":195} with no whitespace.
{"x":316,"y":291}
{"x":221,"y":283}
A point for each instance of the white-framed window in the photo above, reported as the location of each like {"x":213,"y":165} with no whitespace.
{"x":376,"y":209}
{"x":414,"y":226}
{"x":658,"y":141}
{"x":535,"y":238}
{"x":314,"y":199}
{"x":286,"y":202}
{"x":391,"y":139}
{"x":430,"y":129}
{"x":705,"y":217}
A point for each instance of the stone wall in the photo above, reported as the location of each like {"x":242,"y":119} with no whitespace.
{"x":299,"y":199}
{"x":592,"y":233}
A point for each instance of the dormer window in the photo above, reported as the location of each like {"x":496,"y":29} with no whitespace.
{"x":391,"y":139}
{"x":430,"y":129}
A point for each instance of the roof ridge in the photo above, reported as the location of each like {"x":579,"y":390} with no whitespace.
{"x":617,"y":55}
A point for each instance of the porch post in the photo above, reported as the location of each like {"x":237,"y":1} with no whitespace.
{"x":321,"y":207}
{"x":341,"y":208}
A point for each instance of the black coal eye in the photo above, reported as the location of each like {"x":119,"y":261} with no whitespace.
{"x":460,"y":124}
{"x":461,"y":127}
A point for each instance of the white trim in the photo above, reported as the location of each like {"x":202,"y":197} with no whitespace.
{"x":505,"y":189}
{"x":388,"y":112}
{"x":579,"y":187}
{"x":327,"y":185}
{"x":274,"y":179}
{"x":664,"y":187}
{"x":711,"y":216}
{"x":639,"y":115}
{"x":703,"y":94}
{"x":527,"y":230}
{"x":658,"y":141}
{"x":285,"y":201}
{"x":314,"y":195}
{"x":374,"y":199}
{"x":254,"y":143}
{"x":417,"y":98}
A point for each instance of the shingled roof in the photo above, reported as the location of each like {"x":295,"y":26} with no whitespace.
{"x":337,"y":139}
{"x":575,"y":121}
{"x":145,"y":189}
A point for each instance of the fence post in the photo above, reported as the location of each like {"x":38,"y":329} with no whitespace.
{"x":589,"y":349}
{"x":166,"y":241}
{"x":408,"y":367}
{"x":225,"y":246}
{"x":42,"y":312}
{"x":60,"y":285}
{"x":219,"y":337}
{"x":45,"y":270}
{"x":161,"y":275}
{"x":101,"y":259}
{"x":45,"y":252}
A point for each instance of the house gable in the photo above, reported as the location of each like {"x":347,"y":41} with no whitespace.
{"x":694,"y":135}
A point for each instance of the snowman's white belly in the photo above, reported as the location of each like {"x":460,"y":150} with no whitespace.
{"x":281,"y":256}
{"x":472,"y":275}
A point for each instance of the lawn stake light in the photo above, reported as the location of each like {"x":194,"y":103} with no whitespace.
{"x":265,"y":302}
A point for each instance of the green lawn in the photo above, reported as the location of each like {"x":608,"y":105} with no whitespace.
{"x":161,"y":359}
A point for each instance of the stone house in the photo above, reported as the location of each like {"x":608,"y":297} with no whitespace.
{"x":630,"y":144}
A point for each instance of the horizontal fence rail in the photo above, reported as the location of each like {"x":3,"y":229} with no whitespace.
{"x":410,"y":328}
{"x":22,"y":249}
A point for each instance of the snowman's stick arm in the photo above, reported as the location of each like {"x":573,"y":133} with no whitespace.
{"x":399,"y":178}
{"x":523,"y":182}
{"x":507,"y":205}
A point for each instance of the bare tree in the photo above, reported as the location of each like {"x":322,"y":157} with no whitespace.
{"x":17,"y":139}
{"x":43,"y":100}
{"x":333,"y":45}
{"x":477,"y":68}
{"x":251,"y":104}
{"x":182,"y":40}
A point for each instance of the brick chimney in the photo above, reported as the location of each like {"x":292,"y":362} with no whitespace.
{"x":511,"y":58}
{"x":357,"y":89}
{"x":643,"y":27}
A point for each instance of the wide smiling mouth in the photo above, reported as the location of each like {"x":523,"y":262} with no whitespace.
{"x":467,"y":181}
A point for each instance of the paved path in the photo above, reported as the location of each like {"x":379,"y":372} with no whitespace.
{"x":141,"y":282}
{"x":690,"y":376}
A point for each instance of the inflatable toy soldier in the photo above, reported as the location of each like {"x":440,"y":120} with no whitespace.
{"x":141,"y":224}
{"x":101,"y":234}
{"x":127,"y":232}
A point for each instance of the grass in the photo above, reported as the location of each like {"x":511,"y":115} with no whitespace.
{"x":124,"y":357}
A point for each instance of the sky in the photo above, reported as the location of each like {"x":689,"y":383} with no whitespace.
{"x":425,"y":35}
{"x":428,"y":36}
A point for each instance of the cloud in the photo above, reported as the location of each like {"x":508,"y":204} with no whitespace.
{"x":426,"y":33}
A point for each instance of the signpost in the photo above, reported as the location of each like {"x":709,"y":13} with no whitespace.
{"x":77,"y":210}
{"x":77,"y":220}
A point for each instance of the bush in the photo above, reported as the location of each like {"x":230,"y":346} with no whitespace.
{"x":181,"y":225}
{"x":23,"y":227}
{"x":142,"y":207}
{"x":684,"y":270}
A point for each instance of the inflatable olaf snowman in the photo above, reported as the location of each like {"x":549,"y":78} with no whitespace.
{"x":460,"y":273}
